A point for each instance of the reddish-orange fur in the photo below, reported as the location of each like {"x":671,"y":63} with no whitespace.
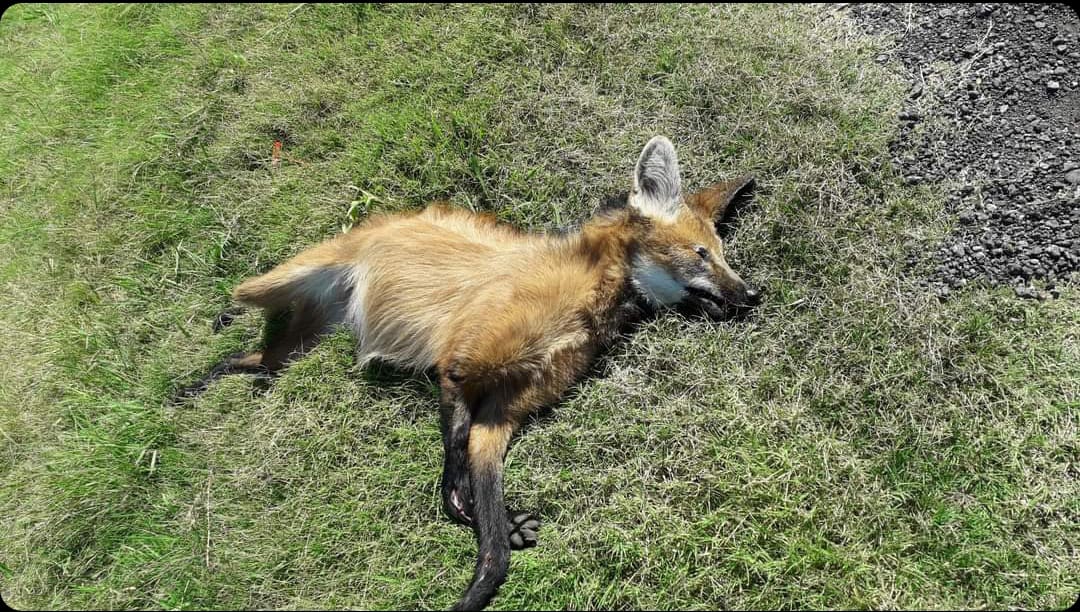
{"x":508,"y":319}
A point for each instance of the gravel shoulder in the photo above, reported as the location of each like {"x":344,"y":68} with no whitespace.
{"x":993,"y":119}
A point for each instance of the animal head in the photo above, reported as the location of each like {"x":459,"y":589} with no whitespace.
{"x":680,"y":259}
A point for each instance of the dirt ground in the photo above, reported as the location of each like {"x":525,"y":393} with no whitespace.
{"x":993,"y":118}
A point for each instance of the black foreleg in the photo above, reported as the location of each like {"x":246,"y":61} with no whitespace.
{"x":487,"y":446}
{"x":456,"y":485}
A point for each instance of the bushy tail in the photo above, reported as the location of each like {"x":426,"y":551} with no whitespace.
{"x":278,"y":288}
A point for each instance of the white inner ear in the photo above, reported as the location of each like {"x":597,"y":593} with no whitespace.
{"x":656,"y":180}
{"x":656,"y":283}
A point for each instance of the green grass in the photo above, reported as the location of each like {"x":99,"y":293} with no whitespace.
{"x":857,"y":444}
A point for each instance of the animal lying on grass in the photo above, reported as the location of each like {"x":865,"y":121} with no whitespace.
{"x":508,"y":320}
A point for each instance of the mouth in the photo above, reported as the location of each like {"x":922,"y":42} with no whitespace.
{"x":716,"y":298}
{"x":717,"y":305}
{"x":706,"y":296}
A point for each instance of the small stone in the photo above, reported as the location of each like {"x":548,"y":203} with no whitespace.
{"x":1053,"y":85}
{"x":1073,"y":177}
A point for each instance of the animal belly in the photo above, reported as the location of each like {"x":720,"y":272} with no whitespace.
{"x":414,"y":283}
{"x":404,"y":321}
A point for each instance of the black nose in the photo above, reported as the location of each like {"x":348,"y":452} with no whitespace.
{"x":753,"y":296}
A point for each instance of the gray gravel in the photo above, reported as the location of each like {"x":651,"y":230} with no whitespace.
{"x":993,"y":116}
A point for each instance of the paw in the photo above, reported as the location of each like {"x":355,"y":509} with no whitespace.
{"x":458,"y":504}
{"x":523,"y":528}
{"x":226,"y":317}
{"x":189,"y":391}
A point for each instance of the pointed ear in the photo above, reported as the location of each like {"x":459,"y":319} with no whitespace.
{"x":656,"y":179}
{"x":714,"y":202}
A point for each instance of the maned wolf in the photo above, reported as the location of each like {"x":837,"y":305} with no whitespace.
{"x":508,"y":320}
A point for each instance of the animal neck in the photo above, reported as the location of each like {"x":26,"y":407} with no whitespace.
{"x":609,"y":244}
{"x":620,"y":234}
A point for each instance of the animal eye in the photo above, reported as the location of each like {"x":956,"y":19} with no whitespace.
{"x":703,"y":252}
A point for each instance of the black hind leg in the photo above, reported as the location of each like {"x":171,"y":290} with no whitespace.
{"x":286,"y":336}
{"x":237,"y":363}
